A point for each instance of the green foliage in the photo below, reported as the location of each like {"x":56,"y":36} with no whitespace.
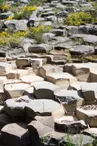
{"x":22,"y":15}
{"x":25,"y":12}
{"x":37,"y":2}
{"x":2,"y":1}
{"x":79,"y":18}
{"x":37,"y":32}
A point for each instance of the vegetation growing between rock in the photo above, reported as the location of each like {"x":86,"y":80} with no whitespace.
{"x":79,"y":18}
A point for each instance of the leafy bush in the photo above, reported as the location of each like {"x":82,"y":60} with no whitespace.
{"x":37,"y":2}
{"x":37,"y":32}
{"x":12,"y":39}
{"x":79,"y":18}
{"x":25,"y":12}
{"x":3,"y":6}
{"x":2,"y":1}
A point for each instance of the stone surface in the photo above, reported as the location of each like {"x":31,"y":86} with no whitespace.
{"x":31,"y":78}
{"x":4,"y":68}
{"x":53,"y":69}
{"x":63,"y":80}
{"x":15,"y":108}
{"x":91,"y":131}
{"x":82,"y":70}
{"x":22,"y":62}
{"x":93,"y":76}
{"x":88,"y":114}
{"x":58,"y":113}
{"x":15,"y":90}
{"x":91,"y":39}
{"x":89,"y":91}
{"x":16,"y":74}
{"x":69,"y":124}
{"x":69,"y":99}
{"x":37,"y":130}
{"x":82,"y":49}
{"x":48,"y":68}
{"x":15,"y":134}
{"x":20,"y":25}
{"x":47,"y":120}
{"x":44,"y":107}
{"x":4,"y":119}
{"x":44,"y":90}
{"x":41,"y":48}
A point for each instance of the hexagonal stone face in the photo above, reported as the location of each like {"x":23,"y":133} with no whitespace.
{"x":4,"y":67}
{"x":91,"y":39}
{"x":48,"y":68}
{"x":41,"y":107}
{"x":88,"y":113}
{"x":63,"y":80}
{"x":47,"y":120}
{"x":15,"y":108}
{"x":37,"y":131}
{"x":91,"y":131}
{"x":43,"y":48}
{"x":69,"y":99}
{"x":69,"y":124}
{"x":15,"y":134}
{"x":44,"y":90}
{"x":82,"y":49}
{"x":89,"y":91}
{"x":81,"y":71}
{"x":93,"y":75}
{"x":16,"y":74}
{"x":31,"y":78}
{"x":41,"y":128}
{"x":15,"y":90}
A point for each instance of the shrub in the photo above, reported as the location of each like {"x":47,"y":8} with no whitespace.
{"x":25,"y":12}
{"x":12,"y":39}
{"x":37,"y":2}
{"x":37,"y":32}
{"x":3,"y":6}
{"x":79,"y":18}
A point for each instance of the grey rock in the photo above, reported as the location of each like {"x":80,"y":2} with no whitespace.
{"x":5,"y":15}
{"x":69,"y":99}
{"x":44,"y":90}
{"x":41,"y":48}
{"x":20,"y":25}
{"x":48,"y":13}
{"x":15,"y":108}
{"x":47,"y":120}
{"x":15,"y":134}
{"x":69,"y":124}
{"x":38,"y":130}
{"x":4,"y":119}
{"x":62,"y":14}
{"x":41,"y":107}
{"x":91,"y":39}
{"x":93,"y":30}
{"x":58,"y":32}
{"x":24,"y":1}
{"x":72,"y":30}
{"x":82,"y":49}
{"x":89,"y":91}
{"x":54,"y":138}
{"x":68,"y":2}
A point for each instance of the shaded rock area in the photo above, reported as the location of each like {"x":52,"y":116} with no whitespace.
{"x":48,"y":81}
